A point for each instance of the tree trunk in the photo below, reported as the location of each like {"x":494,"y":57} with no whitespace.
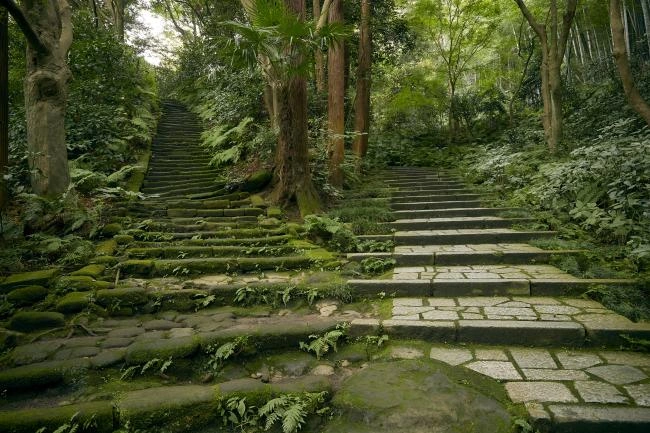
{"x":4,"y":105}
{"x":291,"y":173}
{"x":646,"y":21}
{"x":336,"y":101}
{"x":319,"y":57}
{"x":115,"y":12}
{"x":46,"y":91}
{"x":364,"y":81}
{"x":632,"y":94}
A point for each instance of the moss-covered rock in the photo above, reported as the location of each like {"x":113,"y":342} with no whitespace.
{"x":105,"y":260}
{"x":123,"y":239}
{"x":137,"y":267}
{"x":73,"y":302}
{"x":41,"y":374}
{"x":274,"y":212}
{"x":258,"y":201}
{"x":34,"y":321}
{"x":177,"y":408}
{"x":110,"y":230}
{"x":93,"y":417}
{"x":27,"y":295}
{"x":141,"y":352}
{"x":257,"y":181}
{"x":81,"y":283}
{"x":107,"y":247}
{"x":320,"y":255}
{"x":35,"y":278}
{"x":94,"y":271}
{"x":427,"y":397}
{"x":124,"y":297}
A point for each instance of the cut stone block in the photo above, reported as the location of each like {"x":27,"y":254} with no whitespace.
{"x":520,"y":332}
{"x":618,"y":374}
{"x":520,"y":392}
{"x":592,"y":391}
{"x":533,"y":358}
{"x":599,"y":419}
{"x":495,"y":369}
{"x":451,"y":356}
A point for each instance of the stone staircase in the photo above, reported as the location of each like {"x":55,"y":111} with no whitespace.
{"x":466,"y":276}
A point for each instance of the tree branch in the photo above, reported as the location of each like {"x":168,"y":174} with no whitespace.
{"x":530,"y":18}
{"x":566,"y":26}
{"x":25,"y":27}
{"x":65,"y":40}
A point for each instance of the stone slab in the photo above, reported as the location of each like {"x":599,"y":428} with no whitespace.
{"x":432,"y":331}
{"x":597,"y":419}
{"x":521,"y":332}
{"x":520,"y":392}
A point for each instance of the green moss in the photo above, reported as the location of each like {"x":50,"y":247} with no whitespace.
{"x":110,"y":230}
{"x":320,"y":255}
{"x":302,"y":244}
{"x":274,"y":212}
{"x":105,"y":260}
{"x":34,"y":321}
{"x":27,"y":295}
{"x":51,"y":418}
{"x":123,"y":239}
{"x":257,"y":201}
{"x":35,"y":278}
{"x":125,"y":297}
{"x":107,"y":247}
{"x":137,"y":176}
{"x":94,"y":271}
{"x":73,"y":302}
{"x":137,"y":267}
{"x":141,"y":352}
{"x":81,"y":283}
{"x":257,"y":181}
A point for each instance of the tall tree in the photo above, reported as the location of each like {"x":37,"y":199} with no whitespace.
{"x":4,"y":104}
{"x":622,"y":63}
{"x":458,"y":30}
{"x":279,"y":35}
{"x":336,"y":100}
{"x":114,"y":11}
{"x":47,"y":26}
{"x":319,"y":57}
{"x":364,"y":70}
{"x":553,"y":36}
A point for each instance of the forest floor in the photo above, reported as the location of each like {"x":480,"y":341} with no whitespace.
{"x":203,"y":304}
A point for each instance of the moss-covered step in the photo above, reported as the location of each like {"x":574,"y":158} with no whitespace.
{"x":252,"y":241}
{"x":416,"y":196}
{"x":35,"y":278}
{"x":94,"y":271}
{"x":192,"y":221}
{"x":175,"y":251}
{"x":216,"y":211}
{"x":212,"y":265}
{"x":179,"y":408}
{"x":221,"y":234}
{"x":25,"y":296}
{"x":30,"y":321}
{"x":42,"y":374}
{"x":82,"y":282}
{"x":432,"y":205}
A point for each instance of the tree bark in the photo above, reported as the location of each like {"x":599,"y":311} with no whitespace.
{"x":46,"y":88}
{"x":632,"y":94}
{"x":115,"y":12}
{"x":553,"y":42}
{"x":4,"y":106}
{"x":292,"y":173}
{"x":364,"y":82}
{"x":336,"y":101}
{"x":319,"y":57}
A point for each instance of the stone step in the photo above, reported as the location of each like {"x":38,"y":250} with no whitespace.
{"x":199,"y":220}
{"x":248,"y":233}
{"x":183,"y":175}
{"x":183,"y":251}
{"x":468,"y":236}
{"x":435,"y":191}
{"x":201,"y":229}
{"x":277,"y":239}
{"x":483,"y":287}
{"x":419,"y":198}
{"x":431,"y":205}
{"x":206,"y":181}
{"x":213,"y":212}
{"x":167,"y":167}
{"x":414,"y":185}
{"x":483,"y":222}
{"x":452,"y":212}
{"x":192,"y":266}
{"x":466,"y":256}
{"x":186,"y":407}
{"x":179,"y":193}
{"x":506,"y":320}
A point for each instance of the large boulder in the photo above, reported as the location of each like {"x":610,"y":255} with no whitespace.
{"x":414,"y":396}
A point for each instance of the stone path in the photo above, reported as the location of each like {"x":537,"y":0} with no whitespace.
{"x":465,"y":276}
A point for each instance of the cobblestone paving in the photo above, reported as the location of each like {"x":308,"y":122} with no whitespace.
{"x":516,"y":272}
{"x":488,"y":248}
{"x":551,"y":382}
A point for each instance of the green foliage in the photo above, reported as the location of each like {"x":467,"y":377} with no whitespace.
{"x":372,"y":344}
{"x":73,"y":426}
{"x":260,"y":295}
{"x":375,"y":246}
{"x":159,"y":366}
{"x":331,"y":232}
{"x":288,"y":410}
{"x":218,"y":355}
{"x":291,"y":410}
{"x":365,"y":217}
{"x":377,"y":265}
{"x":321,"y":344}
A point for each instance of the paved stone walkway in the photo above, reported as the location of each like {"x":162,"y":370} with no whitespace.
{"x":450,"y":247}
